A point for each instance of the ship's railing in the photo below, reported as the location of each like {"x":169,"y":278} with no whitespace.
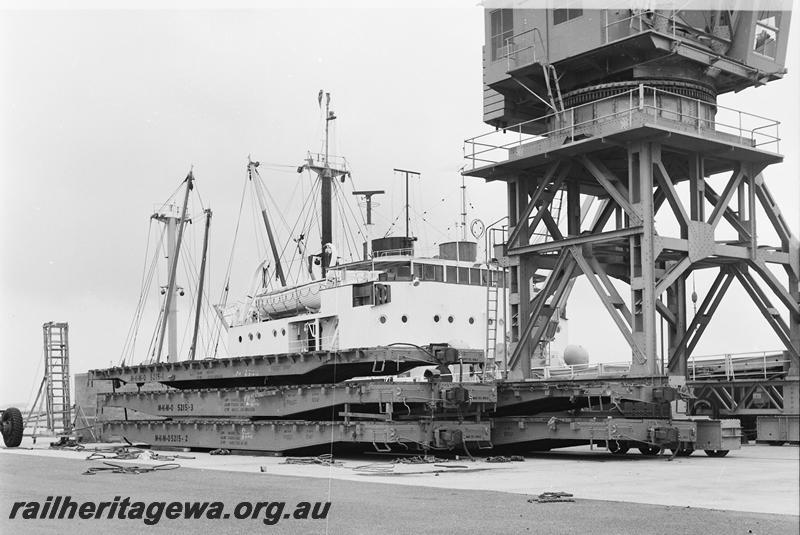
{"x":316,"y":159}
{"x":496,"y":236}
{"x":745,"y":128}
{"x":738,"y":366}
{"x":167,"y":210}
{"x":407,"y":251}
{"x":580,"y":371}
{"x":320,"y":343}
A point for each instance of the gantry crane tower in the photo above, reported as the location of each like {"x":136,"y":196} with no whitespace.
{"x":620,"y":107}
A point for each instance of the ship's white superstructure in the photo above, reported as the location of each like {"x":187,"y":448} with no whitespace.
{"x":389,"y":300}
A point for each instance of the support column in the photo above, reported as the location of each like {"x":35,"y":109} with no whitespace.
{"x":524,"y":274}
{"x":514,"y":275}
{"x":794,"y":321}
{"x":642,"y":269}
{"x":676,"y":303}
{"x":697,"y":183}
{"x":573,"y":208}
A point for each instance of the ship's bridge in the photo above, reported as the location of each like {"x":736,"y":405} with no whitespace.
{"x":405,"y":268}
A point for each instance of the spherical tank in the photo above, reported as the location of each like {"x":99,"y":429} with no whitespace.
{"x":574,"y":355}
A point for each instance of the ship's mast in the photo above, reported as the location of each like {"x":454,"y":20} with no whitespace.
{"x":327,"y":172}
{"x":201,"y":283}
{"x":169,"y":320}
{"x":406,"y":172}
{"x":326,"y":187}
{"x":368,"y":196}
{"x":463,"y":209}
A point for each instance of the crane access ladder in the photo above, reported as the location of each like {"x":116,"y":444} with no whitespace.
{"x":491,"y":329}
{"x":54,"y":391}
{"x":498,"y":277}
{"x":495,"y":286}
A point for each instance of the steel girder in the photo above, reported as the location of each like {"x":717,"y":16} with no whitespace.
{"x":289,"y":368}
{"x":392,"y":400}
{"x":746,"y":397}
{"x":283,"y":435}
{"x":696,"y":434}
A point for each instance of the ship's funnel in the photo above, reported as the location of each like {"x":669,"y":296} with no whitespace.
{"x":394,"y":245}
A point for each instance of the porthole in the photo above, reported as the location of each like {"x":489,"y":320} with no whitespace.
{"x":436,"y":318}
{"x":274,"y":333}
{"x":283,"y":332}
{"x":471,"y":321}
{"x":240,"y":339}
{"x":450,"y":319}
{"x":404,"y":318}
{"x":382,"y":319}
{"x":250,"y":336}
{"x":258,"y":335}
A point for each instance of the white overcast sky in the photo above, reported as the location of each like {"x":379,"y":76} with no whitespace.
{"x":103,"y":112}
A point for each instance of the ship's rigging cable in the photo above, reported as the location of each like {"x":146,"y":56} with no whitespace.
{"x":316,"y":218}
{"x":143,"y":297}
{"x":189,"y":318}
{"x":428,"y":225}
{"x":346,"y":244}
{"x":348,"y":238}
{"x":362,"y":224}
{"x":121,"y":361}
{"x":422,"y":215}
{"x":308,"y":203}
{"x":300,"y":240}
{"x":151,"y":349}
{"x":171,"y":197}
{"x":278,"y":165}
{"x":419,"y":230}
{"x":193,"y":278}
{"x":223,"y":300}
{"x":148,"y":273}
{"x":307,"y":225}
{"x":226,"y":287}
{"x":360,"y":213}
{"x":350,"y":235}
{"x":393,"y":224}
{"x":275,"y":208}
{"x":275,"y":204}
{"x":261,"y":250}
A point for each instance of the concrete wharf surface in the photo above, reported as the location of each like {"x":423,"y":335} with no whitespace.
{"x":752,"y":490}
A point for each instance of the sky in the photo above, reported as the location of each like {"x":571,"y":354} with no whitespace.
{"x":103,"y":113}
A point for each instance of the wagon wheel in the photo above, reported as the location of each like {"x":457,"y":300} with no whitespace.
{"x":618,"y":448}
{"x":684,"y":450}
{"x":650,"y":451}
